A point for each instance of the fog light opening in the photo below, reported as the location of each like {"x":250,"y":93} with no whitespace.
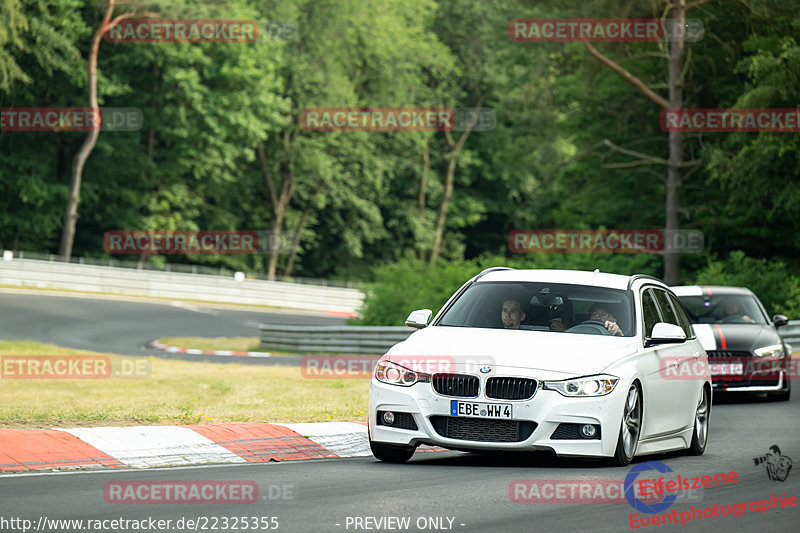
{"x":388,"y":418}
{"x":587,"y":430}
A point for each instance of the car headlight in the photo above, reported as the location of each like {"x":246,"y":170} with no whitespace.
{"x":776,"y":350}
{"x":394,"y":374}
{"x":588,"y":386}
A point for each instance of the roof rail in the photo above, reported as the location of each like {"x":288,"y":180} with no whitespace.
{"x":642,"y":276}
{"x":491,"y":269}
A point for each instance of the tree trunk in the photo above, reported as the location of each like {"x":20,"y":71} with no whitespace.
{"x":442,"y":216}
{"x":675,"y":163}
{"x":151,"y":146}
{"x":78,"y":162}
{"x":279,"y":201}
{"x":455,"y":148}
{"x":423,"y":184}
{"x":280,"y":210}
{"x":300,"y":227}
{"x":674,"y":170}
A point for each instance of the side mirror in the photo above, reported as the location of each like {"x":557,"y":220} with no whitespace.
{"x":419,"y":319}
{"x":780,"y":320}
{"x":664,"y":333}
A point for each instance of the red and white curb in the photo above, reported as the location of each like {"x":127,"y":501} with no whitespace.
{"x":342,"y":314}
{"x":155,"y":345}
{"x":149,"y":446}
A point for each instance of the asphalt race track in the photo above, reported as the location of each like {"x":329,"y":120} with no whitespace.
{"x":122,"y":326}
{"x":470,"y":489}
{"x":436,"y":491}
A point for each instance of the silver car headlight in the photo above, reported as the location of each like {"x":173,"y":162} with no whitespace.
{"x":588,"y":386}
{"x":775,"y":350}
{"x":394,"y":374}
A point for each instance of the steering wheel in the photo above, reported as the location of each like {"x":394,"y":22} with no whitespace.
{"x":736,"y":319}
{"x":593,"y":327}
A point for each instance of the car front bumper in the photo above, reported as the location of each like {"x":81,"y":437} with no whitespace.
{"x":546,"y":410}
{"x":769,"y":375}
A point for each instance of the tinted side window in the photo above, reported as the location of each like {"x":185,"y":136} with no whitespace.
{"x":650,"y":312}
{"x":683,"y":319}
{"x":666,"y":309}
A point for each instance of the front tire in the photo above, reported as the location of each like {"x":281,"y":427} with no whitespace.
{"x":630,"y":428}
{"x":702,"y":418}
{"x":391,"y":454}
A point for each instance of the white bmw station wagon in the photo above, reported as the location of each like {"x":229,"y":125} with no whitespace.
{"x":579,"y":363}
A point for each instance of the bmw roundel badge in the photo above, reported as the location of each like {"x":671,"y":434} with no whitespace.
{"x":486,"y":369}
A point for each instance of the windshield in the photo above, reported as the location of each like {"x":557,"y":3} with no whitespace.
{"x":559,"y":308}
{"x":724,"y":309}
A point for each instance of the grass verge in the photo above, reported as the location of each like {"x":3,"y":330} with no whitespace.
{"x":175,"y":392}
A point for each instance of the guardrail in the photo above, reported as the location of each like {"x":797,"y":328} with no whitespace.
{"x":333,"y":339}
{"x":791,"y":334}
{"x":200,"y":287}
{"x":179,"y":268}
{"x":378,"y":339}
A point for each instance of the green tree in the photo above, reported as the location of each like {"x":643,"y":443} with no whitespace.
{"x":760,"y":172}
{"x":12,"y":24}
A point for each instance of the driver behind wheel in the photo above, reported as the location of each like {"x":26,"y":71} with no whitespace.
{"x":512,"y":314}
{"x":734,"y":312}
{"x":602,"y":314}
